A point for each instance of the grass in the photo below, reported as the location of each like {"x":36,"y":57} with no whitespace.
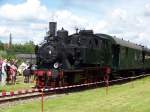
{"x":120,"y":98}
{"x":18,"y":86}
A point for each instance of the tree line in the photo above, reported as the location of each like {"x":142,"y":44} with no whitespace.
{"x":11,"y":50}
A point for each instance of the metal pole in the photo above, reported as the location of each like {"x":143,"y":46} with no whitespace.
{"x":132,"y":83}
{"x":132,"y":79}
{"x":107,"y":85}
{"x":144,"y":77}
{"x":42,"y":101}
{"x":106,"y":79}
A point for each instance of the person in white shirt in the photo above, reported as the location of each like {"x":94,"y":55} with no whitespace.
{"x":1,"y":62}
{"x":4,"y":74}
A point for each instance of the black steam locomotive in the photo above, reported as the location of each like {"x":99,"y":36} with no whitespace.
{"x":85,"y":57}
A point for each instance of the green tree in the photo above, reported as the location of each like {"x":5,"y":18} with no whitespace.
{"x":27,"y":47}
{"x":1,"y":45}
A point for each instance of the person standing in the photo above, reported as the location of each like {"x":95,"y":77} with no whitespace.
{"x":26,"y":74}
{"x":1,"y":62}
{"x":4,"y":74}
{"x":8,"y":72}
{"x":13,"y":70}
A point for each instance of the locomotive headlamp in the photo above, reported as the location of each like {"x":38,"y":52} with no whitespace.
{"x":50,"y":52}
{"x":56,"y":65}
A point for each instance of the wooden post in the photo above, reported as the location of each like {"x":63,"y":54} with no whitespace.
{"x":106,"y":72}
{"x":107,"y":86}
{"x":106,"y":79}
{"x":132,"y":83}
{"x":144,"y":77}
{"x":42,"y":101}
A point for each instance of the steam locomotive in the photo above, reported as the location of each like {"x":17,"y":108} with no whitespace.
{"x":85,"y":57}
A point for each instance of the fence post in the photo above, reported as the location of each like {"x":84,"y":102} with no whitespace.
{"x":106,"y":71}
{"x":42,"y":100}
{"x":3,"y":92}
{"x":106,"y":79}
{"x":132,"y":83}
{"x":132,"y":79}
{"x":144,"y":77}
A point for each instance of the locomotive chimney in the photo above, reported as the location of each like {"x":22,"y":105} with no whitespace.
{"x":52,"y":28}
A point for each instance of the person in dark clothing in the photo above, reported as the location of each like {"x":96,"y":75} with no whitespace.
{"x":1,"y":62}
{"x":8,"y":73}
{"x":26,"y":74}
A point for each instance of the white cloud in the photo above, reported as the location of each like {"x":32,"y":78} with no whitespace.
{"x":119,"y":13}
{"x":147,"y":10}
{"x":3,"y":30}
{"x":99,"y":26}
{"x":69,"y":21}
{"x":32,"y":19}
{"x":29,"y":10}
{"x":39,"y":26}
{"x":29,"y":21}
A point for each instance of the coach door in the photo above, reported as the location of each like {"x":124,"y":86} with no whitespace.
{"x":115,"y":56}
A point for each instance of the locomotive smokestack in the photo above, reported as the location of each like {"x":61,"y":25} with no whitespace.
{"x":52,"y":28}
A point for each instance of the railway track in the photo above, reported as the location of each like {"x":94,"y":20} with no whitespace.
{"x":36,"y":93}
{"x":19,"y":97}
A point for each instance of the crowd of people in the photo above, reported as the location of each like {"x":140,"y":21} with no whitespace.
{"x":9,"y":70}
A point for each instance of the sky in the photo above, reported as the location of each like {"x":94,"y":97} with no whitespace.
{"x":28,"y":19}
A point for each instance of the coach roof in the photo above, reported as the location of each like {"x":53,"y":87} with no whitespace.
{"x":121,"y":42}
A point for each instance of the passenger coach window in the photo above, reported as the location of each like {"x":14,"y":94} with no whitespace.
{"x":126,"y":51}
{"x":123,"y":51}
{"x":100,"y":43}
{"x":135,"y":56}
{"x":96,"y":42}
{"x":104,"y":44}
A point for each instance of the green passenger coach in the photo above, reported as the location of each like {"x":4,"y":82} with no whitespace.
{"x":127,"y":56}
